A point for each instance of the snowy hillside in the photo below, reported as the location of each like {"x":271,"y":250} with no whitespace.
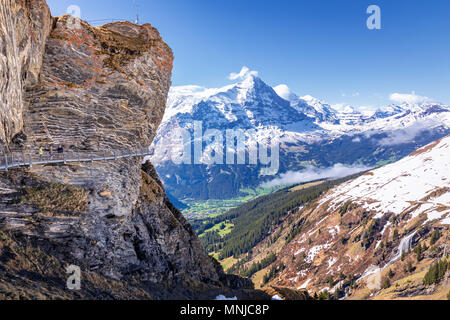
{"x":419,"y":183}
{"x":375,"y":236}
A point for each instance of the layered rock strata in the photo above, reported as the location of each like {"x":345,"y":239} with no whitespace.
{"x":96,"y":90}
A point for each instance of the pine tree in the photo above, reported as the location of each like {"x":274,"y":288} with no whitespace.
{"x":410,"y":267}
{"x":391,"y":273}
{"x":343,"y":210}
{"x":419,"y":252}
{"x":436,"y":272}
{"x":395,"y":234}
{"x":337,"y":293}
{"x":386,"y":283}
{"x":324,"y":295}
{"x":435,"y":236}
{"x":330,"y":282}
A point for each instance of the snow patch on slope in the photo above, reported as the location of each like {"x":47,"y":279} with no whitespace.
{"x":402,"y":185}
{"x":304,"y":285}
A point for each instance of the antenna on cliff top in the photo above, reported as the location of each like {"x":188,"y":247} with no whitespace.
{"x":137,"y":11}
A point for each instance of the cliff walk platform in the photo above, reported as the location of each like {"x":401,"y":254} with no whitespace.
{"x":28,"y":159}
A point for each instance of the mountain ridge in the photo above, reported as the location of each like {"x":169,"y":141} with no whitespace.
{"x":91,"y":89}
{"x":373,"y":237}
{"x":307,"y":129}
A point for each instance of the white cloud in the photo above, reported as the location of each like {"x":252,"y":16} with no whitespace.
{"x":312,"y":173}
{"x":245,"y":72}
{"x":367,"y":111}
{"x":343,"y":108}
{"x":284,"y":92}
{"x":407,"y":134}
{"x":410,"y":98}
{"x":346,"y":108}
{"x":354,"y":94}
{"x":340,"y":106}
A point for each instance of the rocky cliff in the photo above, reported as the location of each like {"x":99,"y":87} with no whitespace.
{"x":24,"y":28}
{"x":90,"y":89}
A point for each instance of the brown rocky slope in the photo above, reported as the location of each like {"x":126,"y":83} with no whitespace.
{"x":378,"y":236}
{"x":91,"y":89}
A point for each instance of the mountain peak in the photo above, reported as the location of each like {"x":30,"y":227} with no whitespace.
{"x":249,"y":81}
{"x":243,"y":74}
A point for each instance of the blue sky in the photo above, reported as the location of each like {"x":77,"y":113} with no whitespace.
{"x":321,"y":47}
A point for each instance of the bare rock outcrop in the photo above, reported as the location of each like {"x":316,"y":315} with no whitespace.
{"x":24,"y":28}
{"x":97,"y":89}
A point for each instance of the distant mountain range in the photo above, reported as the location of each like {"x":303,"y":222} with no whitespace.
{"x":311,"y":134}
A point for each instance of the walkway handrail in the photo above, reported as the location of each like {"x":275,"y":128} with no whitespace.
{"x":29,"y":159}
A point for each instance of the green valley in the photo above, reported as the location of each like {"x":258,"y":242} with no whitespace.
{"x":200,"y":210}
{"x":228,"y":235}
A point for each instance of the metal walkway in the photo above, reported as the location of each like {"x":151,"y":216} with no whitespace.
{"x":19,"y":160}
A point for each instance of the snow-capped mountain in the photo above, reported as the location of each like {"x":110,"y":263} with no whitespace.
{"x":248,"y":103}
{"x":308,"y":105}
{"x":308,"y":130}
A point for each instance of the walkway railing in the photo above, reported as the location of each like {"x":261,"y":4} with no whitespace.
{"x":26,"y":159}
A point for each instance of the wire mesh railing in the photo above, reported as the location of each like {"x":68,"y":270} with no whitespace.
{"x":101,"y":22}
{"x":16,"y":160}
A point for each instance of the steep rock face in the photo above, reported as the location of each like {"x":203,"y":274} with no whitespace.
{"x":152,"y":253}
{"x":99,"y":90}
{"x":24,"y":27}
{"x":162,"y":231}
{"x":101,"y":87}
